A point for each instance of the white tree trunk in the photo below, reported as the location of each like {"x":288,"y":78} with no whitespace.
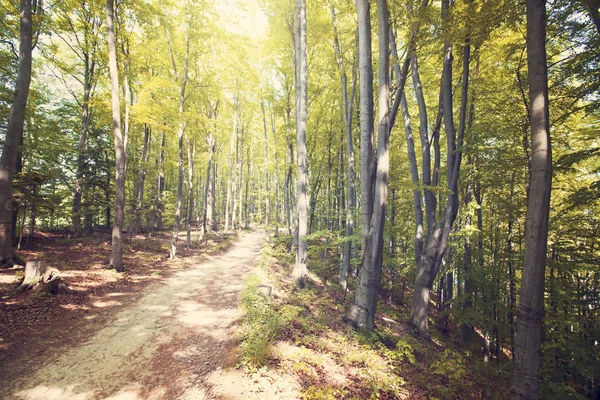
{"x":300,"y":269}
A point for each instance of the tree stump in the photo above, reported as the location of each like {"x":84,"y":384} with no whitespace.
{"x":42,"y":278}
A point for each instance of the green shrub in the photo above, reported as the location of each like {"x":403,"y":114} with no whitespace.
{"x":450,"y":364}
{"x":262,"y":324}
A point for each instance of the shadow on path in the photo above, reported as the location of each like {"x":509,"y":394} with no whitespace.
{"x":162,"y":346}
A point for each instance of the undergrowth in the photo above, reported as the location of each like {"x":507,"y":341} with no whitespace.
{"x":300,"y":333}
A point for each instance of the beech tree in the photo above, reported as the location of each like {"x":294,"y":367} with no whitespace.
{"x":14,"y":131}
{"x":525,"y":381}
{"x":300,"y":269}
{"x":120,"y":141}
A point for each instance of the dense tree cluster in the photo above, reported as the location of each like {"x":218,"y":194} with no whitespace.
{"x":155,"y":115}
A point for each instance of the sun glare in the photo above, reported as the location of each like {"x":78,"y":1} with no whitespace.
{"x":243,"y":17}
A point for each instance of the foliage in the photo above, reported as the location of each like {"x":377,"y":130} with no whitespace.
{"x":263,"y":323}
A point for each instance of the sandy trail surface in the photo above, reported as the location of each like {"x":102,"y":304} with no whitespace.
{"x":163,"y":345}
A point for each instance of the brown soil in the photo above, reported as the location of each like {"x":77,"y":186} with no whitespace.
{"x":155,"y":332}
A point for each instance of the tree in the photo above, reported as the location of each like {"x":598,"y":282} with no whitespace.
{"x":300,"y":268}
{"x":370,"y":275}
{"x":362,"y":313}
{"x":14,"y":131}
{"x":348,"y":112}
{"x":77,"y":25}
{"x":438,"y":233}
{"x":180,"y":136}
{"x":525,"y":381}
{"x":120,"y":141}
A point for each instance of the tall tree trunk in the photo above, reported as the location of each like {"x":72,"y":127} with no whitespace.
{"x":208,"y":206}
{"x":262,"y":106}
{"x":348,"y":101}
{"x":288,"y":180}
{"x":275,"y":174}
{"x":300,"y":269}
{"x":437,"y":239}
{"x":86,"y":118}
{"x":412,"y":157}
{"x":362,"y":313}
{"x":120,"y":140}
{"x":230,"y":179}
{"x":160,"y":186}
{"x":241,"y":180}
{"x":139,"y":189}
{"x":191,"y":155}
{"x":430,"y":200}
{"x":180,"y":135}
{"x":14,"y":132}
{"x":213,"y":215}
{"x":525,"y":381}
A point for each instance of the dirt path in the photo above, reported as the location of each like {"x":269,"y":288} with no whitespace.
{"x":162,"y":346}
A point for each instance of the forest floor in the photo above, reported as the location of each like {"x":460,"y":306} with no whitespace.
{"x":222,"y":321}
{"x":296,"y":344}
{"x":153,"y":332}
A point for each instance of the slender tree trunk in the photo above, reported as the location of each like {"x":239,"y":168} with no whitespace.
{"x":430,"y":200}
{"x":180,"y":135}
{"x":288,"y":180}
{"x":230,"y":178}
{"x":525,"y":382}
{"x":236,"y":180}
{"x":158,"y":223}
{"x":82,"y":148}
{"x":275,"y":175}
{"x":300,"y":269}
{"x":241,"y":181}
{"x":412,"y":157}
{"x":208,"y":206}
{"x":348,"y":101}
{"x":246,"y":202}
{"x":262,"y":106}
{"x":139,"y":189}
{"x":362,"y":312}
{"x":191,"y":155}
{"x":437,"y":239}
{"x":14,"y":133}
{"x":372,"y":278}
{"x":213,"y":218}
{"x":120,"y":140}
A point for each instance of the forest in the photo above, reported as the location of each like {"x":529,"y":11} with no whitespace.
{"x":441,"y":157}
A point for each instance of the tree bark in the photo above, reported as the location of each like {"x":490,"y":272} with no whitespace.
{"x":160,"y":186}
{"x":139,"y":188}
{"x":86,"y":118}
{"x":207,"y":213}
{"x":191,"y":155}
{"x":348,"y":101}
{"x":231,"y":173}
{"x":264,"y":115}
{"x":14,"y":132}
{"x":362,"y":313}
{"x":180,"y":135}
{"x":300,"y":269}
{"x":437,"y":238}
{"x":120,"y":141}
{"x":593,"y":7}
{"x":525,"y":381}
{"x":276,"y":203}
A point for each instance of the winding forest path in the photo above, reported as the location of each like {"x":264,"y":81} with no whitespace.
{"x":162,"y":345}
